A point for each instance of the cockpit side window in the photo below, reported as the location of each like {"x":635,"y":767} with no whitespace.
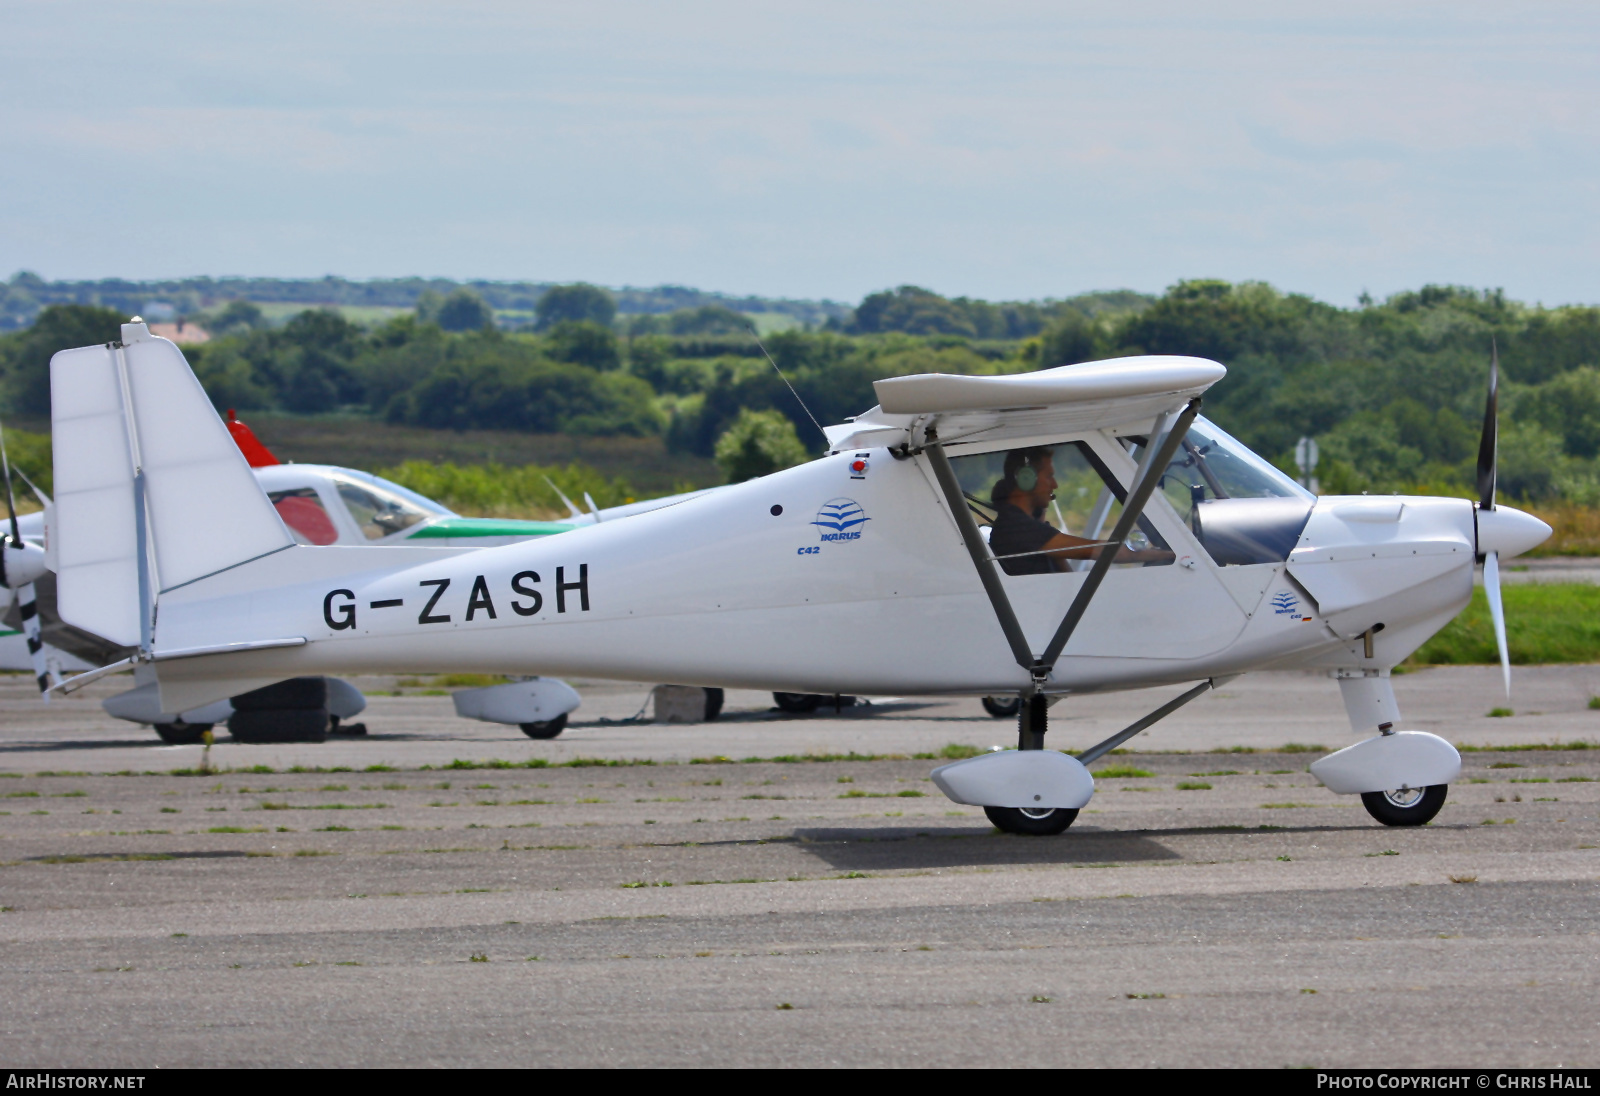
{"x":302,"y":511}
{"x":377,"y":512}
{"x":1036,"y":530}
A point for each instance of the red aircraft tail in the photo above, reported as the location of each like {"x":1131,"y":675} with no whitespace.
{"x":258,"y":455}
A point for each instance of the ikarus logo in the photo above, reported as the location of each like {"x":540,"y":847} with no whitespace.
{"x":840,"y":519}
{"x":1285,"y":604}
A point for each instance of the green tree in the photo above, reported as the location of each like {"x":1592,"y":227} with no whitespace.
{"x":758,"y":444}
{"x":1070,"y":340}
{"x":579,"y":301}
{"x":583,"y":342}
{"x":709,"y":319}
{"x":234,"y":317}
{"x":464,"y":310}
{"x":26,"y":355}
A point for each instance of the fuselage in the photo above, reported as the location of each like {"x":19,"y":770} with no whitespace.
{"x":816,"y":579}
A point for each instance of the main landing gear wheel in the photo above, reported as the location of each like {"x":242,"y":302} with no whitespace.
{"x":1032,"y":821}
{"x":1002,"y":707}
{"x":549,"y":728}
{"x":797,"y":703}
{"x":1411,"y":807}
{"x":182,"y":734}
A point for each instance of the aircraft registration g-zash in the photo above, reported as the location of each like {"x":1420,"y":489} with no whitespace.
{"x":863,"y":571}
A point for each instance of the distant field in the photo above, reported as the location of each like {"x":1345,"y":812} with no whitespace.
{"x":279,"y":311}
{"x":362,"y":443}
{"x":768,"y":322}
{"x":1557,"y":622}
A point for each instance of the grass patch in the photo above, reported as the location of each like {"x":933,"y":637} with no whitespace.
{"x":1525,"y":747}
{"x":1193,"y":786}
{"x":468,"y":681}
{"x":1501,"y":713}
{"x":1285,"y":806}
{"x":1121,"y":772}
{"x":1218,"y":772}
{"x":1547,"y":623}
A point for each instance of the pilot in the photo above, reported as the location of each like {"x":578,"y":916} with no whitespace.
{"x":1020,"y":498}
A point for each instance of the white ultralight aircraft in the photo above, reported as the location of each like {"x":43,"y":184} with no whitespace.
{"x":863,"y":571}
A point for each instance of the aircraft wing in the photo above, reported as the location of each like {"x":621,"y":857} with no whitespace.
{"x":984,"y":410}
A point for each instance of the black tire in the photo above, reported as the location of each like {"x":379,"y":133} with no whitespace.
{"x":182,"y":734}
{"x":1031,"y":823}
{"x":1002,"y":707}
{"x":353,"y":729}
{"x":282,"y":725}
{"x":1407,"y":808}
{"x":798,"y":703}
{"x":548,"y":728}
{"x":305,"y":693}
{"x":714,"y":699}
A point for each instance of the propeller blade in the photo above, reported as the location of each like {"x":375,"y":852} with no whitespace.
{"x":11,"y":498}
{"x":28,"y":608}
{"x":1488,"y":446}
{"x":1497,"y":612}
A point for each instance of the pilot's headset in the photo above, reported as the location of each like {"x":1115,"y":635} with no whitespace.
{"x":1019,"y":469}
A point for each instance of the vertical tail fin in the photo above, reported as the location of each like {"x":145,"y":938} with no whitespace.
{"x":151,"y":491}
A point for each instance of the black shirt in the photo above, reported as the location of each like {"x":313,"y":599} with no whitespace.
{"x":1015,"y":531}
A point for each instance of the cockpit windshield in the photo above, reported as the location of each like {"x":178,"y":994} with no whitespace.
{"x":1228,"y":469}
{"x":381,"y":508}
{"x":1239,"y":507}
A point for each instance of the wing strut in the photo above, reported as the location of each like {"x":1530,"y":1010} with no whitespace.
{"x":1032,"y":719}
{"x":981,"y":558}
{"x":1131,"y":511}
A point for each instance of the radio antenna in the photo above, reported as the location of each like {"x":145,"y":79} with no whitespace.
{"x":754,"y":334}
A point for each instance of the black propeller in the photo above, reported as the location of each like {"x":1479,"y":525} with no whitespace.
{"x":1488,"y":458}
{"x":1488,"y":447}
{"x":11,"y":504}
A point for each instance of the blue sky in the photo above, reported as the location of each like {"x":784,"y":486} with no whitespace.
{"x":1002,"y":150}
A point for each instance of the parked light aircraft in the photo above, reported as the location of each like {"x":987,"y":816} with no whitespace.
{"x":862,"y":571}
{"x":322,"y":505}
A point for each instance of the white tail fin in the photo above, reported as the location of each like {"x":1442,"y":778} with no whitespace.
{"x":130,"y":419}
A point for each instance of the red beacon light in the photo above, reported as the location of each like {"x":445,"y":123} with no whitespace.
{"x":859,"y":466}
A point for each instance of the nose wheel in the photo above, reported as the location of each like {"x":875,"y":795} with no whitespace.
{"x":1030,"y":821}
{"x":1406,"y":806}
